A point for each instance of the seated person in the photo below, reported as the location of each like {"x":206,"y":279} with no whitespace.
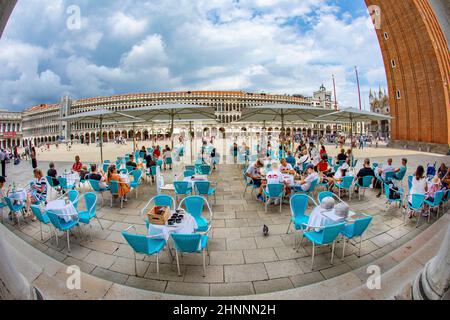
{"x":323,"y":166}
{"x":274,"y":176}
{"x":53,"y":173}
{"x":290,"y":159}
{"x":317,"y":219}
{"x":254,"y":173}
{"x":339,"y":175}
{"x":366,"y":170}
{"x":286,"y":167}
{"x":77,"y":166}
{"x":442,"y":171}
{"x":83,"y":173}
{"x":150,"y":163}
{"x":446,"y":180}
{"x":341,"y":211}
{"x":400,"y":172}
{"x":303,"y":159}
{"x":143,"y":152}
{"x":381,"y":173}
{"x":124,"y":188}
{"x":95,"y":175}
{"x":131,"y":163}
{"x":37,"y":192}
{"x":435,"y":187}
{"x":305,"y":182}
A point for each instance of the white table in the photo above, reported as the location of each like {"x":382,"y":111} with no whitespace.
{"x":73,"y":179}
{"x":195,"y":178}
{"x":67,"y":212}
{"x":187,"y":226}
{"x":321,"y":217}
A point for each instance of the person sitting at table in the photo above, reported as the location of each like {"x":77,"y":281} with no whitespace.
{"x":381,"y":173}
{"x":150,"y":162}
{"x":445,"y":180}
{"x":254,"y":173}
{"x":419,"y":186}
{"x":365,"y":171}
{"x":143,"y":152}
{"x":156,"y":152}
{"x":124,"y":188}
{"x":305,"y":183}
{"x":37,"y":192}
{"x":339,"y":175}
{"x":316,"y":218}
{"x":167,"y":155}
{"x":400,"y":172}
{"x":286,"y":167}
{"x":303,"y":159}
{"x":131,"y":163}
{"x":95,"y":175}
{"x":434,"y":187}
{"x":77,"y":166}
{"x":290,"y":158}
{"x":323,"y":166}
{"x":51,"y":172}
{"x":274,"y":176}
{"x":341,"y":211}
{"x":442,"y":171}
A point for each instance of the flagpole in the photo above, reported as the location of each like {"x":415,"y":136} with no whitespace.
{"x":359,"y":88}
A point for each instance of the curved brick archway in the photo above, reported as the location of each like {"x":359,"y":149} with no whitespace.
{"x":412,"y":36}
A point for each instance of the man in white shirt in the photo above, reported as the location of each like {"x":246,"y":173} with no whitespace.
{"x":381,"y":172}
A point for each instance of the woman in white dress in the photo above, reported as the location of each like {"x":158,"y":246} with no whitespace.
{"x":419,"y":185}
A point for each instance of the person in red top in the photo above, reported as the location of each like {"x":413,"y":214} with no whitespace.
{"x":322,"y":166}
{"x":322,"y":151}
{"x":77,"y":166}
{"x":156,"y":152}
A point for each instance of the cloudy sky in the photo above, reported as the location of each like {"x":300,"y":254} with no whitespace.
{"x":284,"y":46}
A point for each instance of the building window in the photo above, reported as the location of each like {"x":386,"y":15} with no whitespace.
{"x":386,"y":36}
{"x":393,"y":64}
{"x":399,"y":95}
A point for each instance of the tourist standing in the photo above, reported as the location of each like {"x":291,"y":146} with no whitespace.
{"x":3,"y":161}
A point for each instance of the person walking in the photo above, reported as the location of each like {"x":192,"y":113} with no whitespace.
{"x":3,"y":161}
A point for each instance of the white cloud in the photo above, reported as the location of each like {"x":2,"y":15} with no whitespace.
{"x":285,"y":46}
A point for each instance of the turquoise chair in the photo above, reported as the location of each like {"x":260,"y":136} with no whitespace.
{"x":326,"y":236}
{"x":389,"y":199}
{"x":436,"y":203}
{"x":273,"y":191}
{"x":137,"y":180}
{"x":51,"y":183}
{"x":130,"y":169}
{"x":190,"y":243}
{"x":345,"y":185}
{"x":181,"y":188}
{"x":114,"y":188}
{"x":194,"y":206}
{"x":191,"y":168}
{"x":107,"y":161}
{"x":366,"y":184}
{"x":418,"y":201}
{"x":118,"y":163}
{"x":127,"y":158}
{"x":151,"y":172}
{"x":62,"y":226}
{"x":325,"y":194}
{"x":90,"y":200}
{"x":168,"y":162}
{"x":446,"y":199}
{"x":142,"y":244}
{"x":410,"y":180}
{"x":312,"y":187}
{"x":2,"y":205}
{"x":205,"y":169}
{"x":399,"y":176}
{"x":159,"y":163}
{"x":355,"y":229}
{"x":95,"y":185}
{"x":298,"y":204}
{"x":105,"y":167}
{"x":203,"y":188}
{"x":389,"y":176}
{"x":73,"y":196}
{"x":64,"y":185}
{"x":42,"y":218}
{"x":188,"y":173}
{"x":16,"y":209}
{"x":354,"y":163}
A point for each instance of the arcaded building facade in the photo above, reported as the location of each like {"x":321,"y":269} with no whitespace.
{"x":41,"y":124}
